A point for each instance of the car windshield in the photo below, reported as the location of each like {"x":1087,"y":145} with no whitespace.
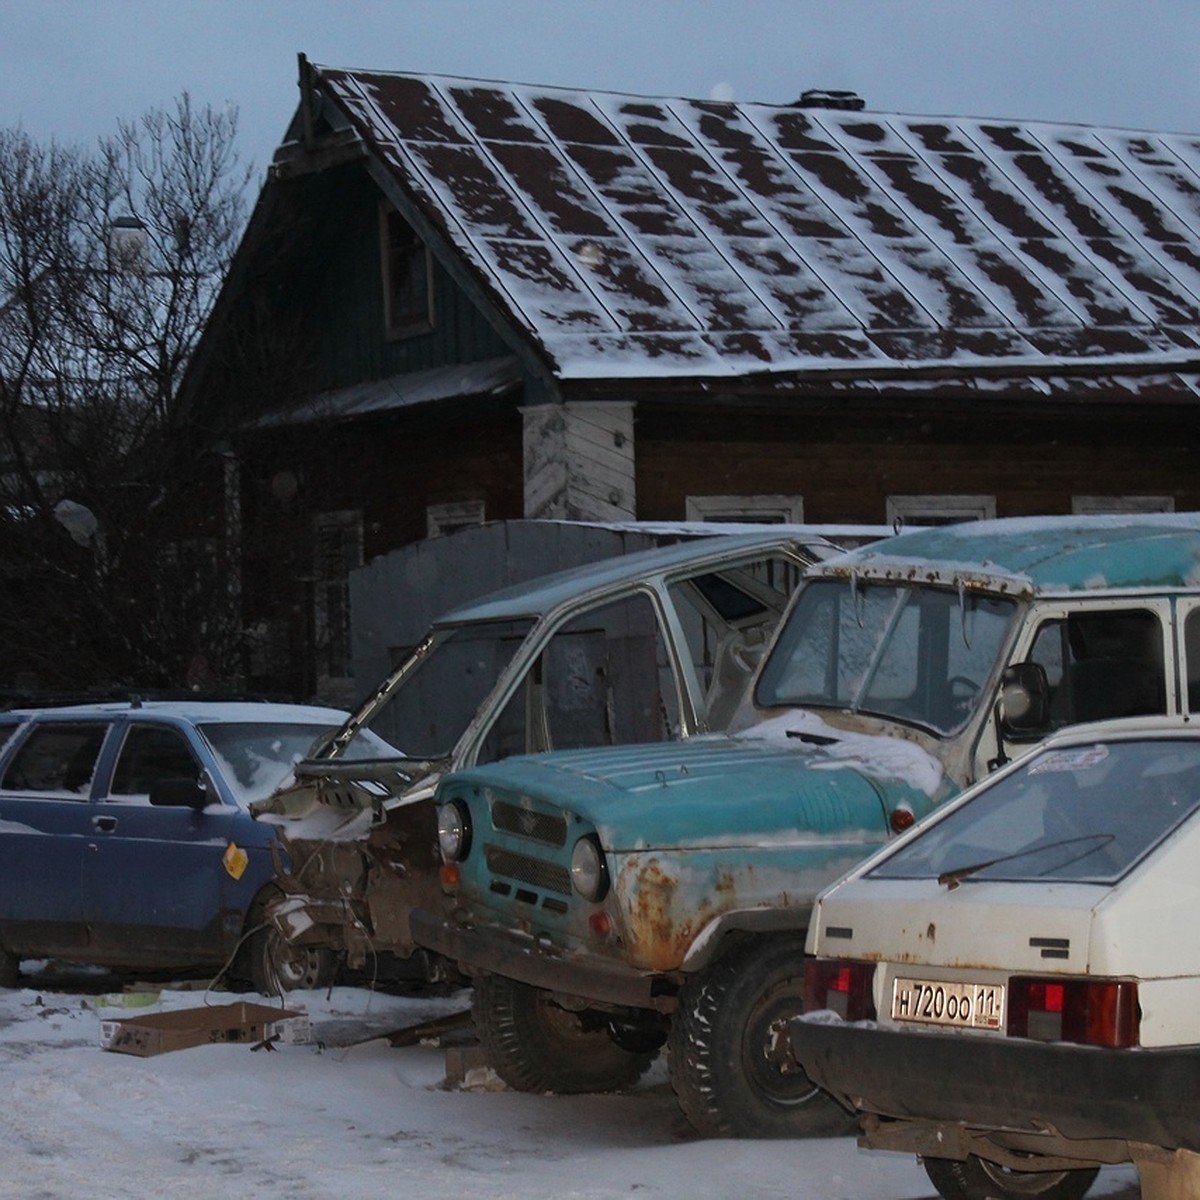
{"x":254,"y":756}
{"x":1086,"y":814}
{"x":436,"y":700}
{"x":921,"y":655}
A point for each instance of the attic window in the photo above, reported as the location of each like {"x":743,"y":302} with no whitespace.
{"x":407,"y":277}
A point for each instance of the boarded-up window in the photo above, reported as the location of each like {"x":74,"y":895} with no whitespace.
{"x":1122,"y":504}
{"x":764,"y":510}
{"x":939,"y":510}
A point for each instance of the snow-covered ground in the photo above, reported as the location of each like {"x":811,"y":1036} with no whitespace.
{"x":352,"y":1117}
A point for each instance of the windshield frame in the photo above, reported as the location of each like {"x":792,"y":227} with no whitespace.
{"x":342,"y":746}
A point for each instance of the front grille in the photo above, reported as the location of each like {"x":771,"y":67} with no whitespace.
{"x":549,"y":877}
{"x":548,"y":828}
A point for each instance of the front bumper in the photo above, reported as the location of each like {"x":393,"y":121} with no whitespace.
{"x":1083,"y":1092}
{"x":516,"y":956}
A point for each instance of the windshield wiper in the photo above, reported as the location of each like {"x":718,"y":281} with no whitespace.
{"x":812,"y":739}
{"x":952,"y":878}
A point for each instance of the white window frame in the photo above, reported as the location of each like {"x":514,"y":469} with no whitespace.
{"x":445,"y":518}
{"x":787,"y":510}
{"x":1085,"y":505}
{"x":939,"y":510}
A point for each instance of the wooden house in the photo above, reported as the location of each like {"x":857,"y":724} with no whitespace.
{"x":460,"y":301}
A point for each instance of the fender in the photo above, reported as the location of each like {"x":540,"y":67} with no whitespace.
{"x":709,"y":943}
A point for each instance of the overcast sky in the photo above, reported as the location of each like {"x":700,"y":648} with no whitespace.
{"x":70,"y":69}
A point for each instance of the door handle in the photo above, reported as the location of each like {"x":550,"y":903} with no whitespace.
{"x":104,"y":824}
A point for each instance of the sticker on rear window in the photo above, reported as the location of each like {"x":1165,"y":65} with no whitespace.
{"x":1081,"y":759}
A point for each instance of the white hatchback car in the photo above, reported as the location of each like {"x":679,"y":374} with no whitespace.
{"x":1012,"y":990}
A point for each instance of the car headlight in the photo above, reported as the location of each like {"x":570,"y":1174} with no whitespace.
{"x":588,"y":872}
{"x":454,"y":831}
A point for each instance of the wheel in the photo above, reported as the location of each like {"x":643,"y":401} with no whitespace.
{"x":535,"y":1045}
{"x":728,"y":1060}
{"x":978,"y":1179}
{"x":10,"y":970}
{"x":276,"y":966}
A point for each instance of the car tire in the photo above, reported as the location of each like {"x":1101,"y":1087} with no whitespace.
{"x":976,"y":1179}
{"x":535,"y":1045}
{"x":10,"y":970}
{"x":725,"y":1053}
{"x":274,"y":966}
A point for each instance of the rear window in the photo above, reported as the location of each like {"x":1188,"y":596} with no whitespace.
{"x":1085,"y":814}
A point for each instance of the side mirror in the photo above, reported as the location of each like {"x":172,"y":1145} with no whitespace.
{"x":1024,"y":704}
{"x":181,"y":792}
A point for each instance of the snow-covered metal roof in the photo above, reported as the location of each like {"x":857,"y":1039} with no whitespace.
{"x":644,"y":236}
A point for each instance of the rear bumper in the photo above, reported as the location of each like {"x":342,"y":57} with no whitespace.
{"x":515,"y":956}
{"x":1084,"y":1092}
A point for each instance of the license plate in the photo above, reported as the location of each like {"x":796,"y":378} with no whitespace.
{"x":948,"y":1002}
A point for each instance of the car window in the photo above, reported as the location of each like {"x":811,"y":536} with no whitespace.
{"x":1082,"y":813}
{"x":429,"y":712}
{"x":1102,"y":665}
{"x":727,"y":618}
{"x":150,"y":753}
{"x":1191,"y":643}
{"x":920,"y":655}
{"x":603,"y":679}
{"x":57,"y":758}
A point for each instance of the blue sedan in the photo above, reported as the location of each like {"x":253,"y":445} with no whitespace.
{"x":126,"y":840}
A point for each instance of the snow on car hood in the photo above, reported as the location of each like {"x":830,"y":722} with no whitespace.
{"x":721,"y":791}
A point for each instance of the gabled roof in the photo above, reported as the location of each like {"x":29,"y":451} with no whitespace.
{"x":643,"y":236}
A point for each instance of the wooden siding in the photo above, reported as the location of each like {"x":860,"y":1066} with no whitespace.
{"x":390,"y":470}
{"x":846,"y":462}
{"x":579,"y":461}
{"x":340,"y":296}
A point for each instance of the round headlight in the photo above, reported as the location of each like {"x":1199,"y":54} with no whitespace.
{"x":588,"y":872}
{"x":454,"y":831}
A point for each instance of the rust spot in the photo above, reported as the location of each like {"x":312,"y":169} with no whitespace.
{"x":659,"y":928}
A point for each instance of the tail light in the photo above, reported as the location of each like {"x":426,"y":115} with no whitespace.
{"x":1091,"y":1012}
{"x":844,"y":987}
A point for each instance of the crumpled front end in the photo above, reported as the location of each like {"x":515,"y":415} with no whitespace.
{"x":360,"y":851}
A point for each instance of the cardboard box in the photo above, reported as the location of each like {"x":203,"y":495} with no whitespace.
{"x":156,"y":1033}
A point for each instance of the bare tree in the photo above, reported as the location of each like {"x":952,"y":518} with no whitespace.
{"x":113,"y":542}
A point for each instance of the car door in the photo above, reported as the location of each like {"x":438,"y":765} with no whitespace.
{"x":45,"y":822}
{"x":154,"y":878}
